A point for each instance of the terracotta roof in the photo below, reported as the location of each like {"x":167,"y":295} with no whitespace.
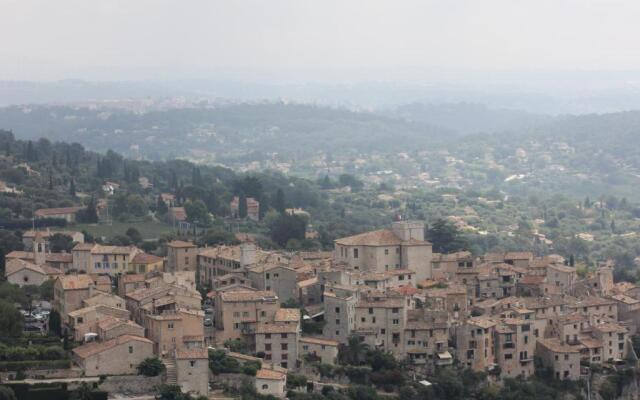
{"x":276,"y":328}
{"x":248,"y":295}
{"x":73,"y":282}
{"x":84,"y":246}
{"x":192,"y":354}
{"x":307,"y":282}
{"x":532,"y":279}
{"x":518,"y":255}
{"x":320,"y":341}
{"x":16,"y":265}
{"x":383,"y":303}
{"x":287,"y":315}
{"x":144,"y":258}
{"x":45,"y":212}
{"x":382,"y":237}
{"x":555,"y":345}
{"x":109,"y":323}
{"x":180,"y":244}
{"x":89,"y":349}
{"x":100,"y":249}
{"x":129,"y":278}
{"x":482,"y":322}
{"x":270,"y":374}
{"x":59,"y":258}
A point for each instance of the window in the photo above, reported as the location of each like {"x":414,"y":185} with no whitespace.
{"x":566,"y":357}
{"x":236,"y":314}
{"x":186,"y":260}
{"x":263,"y":313}
{"x":130,"y":349}
{"x":396,"y":321}
{"x":337,"y":322}
{"x":386,"y":252}
{"x":283,"y":335}
{"x":394,"y":310}
{"x":370,"y":310}
{"x":383,"y":331}
{"x":285,"y":356}
{"x":267,"y":336}
{"x":267,"y":347}
{"x":80,"y":320}
{"x":265,"y":387}
{"x":267,"y":356}
{"x":508,"y":356}
{"x":245,"y":313}
{"x":337,"y":310}
{"x":355,"y":253}
{"x":268,"y":276}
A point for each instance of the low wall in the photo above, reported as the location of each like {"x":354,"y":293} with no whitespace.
{"x":135,"y":385}
{"x":43,"y":374}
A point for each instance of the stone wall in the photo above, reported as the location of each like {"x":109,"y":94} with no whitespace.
{"x":43,"y":374}
{"x":135,"y":385}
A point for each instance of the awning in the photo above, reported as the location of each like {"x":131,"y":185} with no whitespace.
{"x":426,"y":383}
{"x":444,"y":355}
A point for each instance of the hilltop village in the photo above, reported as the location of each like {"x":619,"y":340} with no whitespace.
{"x":287,"y":313}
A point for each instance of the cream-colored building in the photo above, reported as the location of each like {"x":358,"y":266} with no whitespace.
{"x":238,"y":312}
{"x":86,"y":320}
{"x":181,"y":256}
{"x":318,"y":349}
{"x":381,"y":322}
{"x":69,"y":292}
{"x":20,"y":272}
{"x":562,"y":358}
{"x":280,"y":279}
{"x":614,"y":338}
{"x":98,"y":259}
{"x":192,"y":370}
{"x":401,"y":247}
{"x":474,"y":343}
{"x":278,"y":342}
{"x":119,"y":356}
{"x":339,"y":312}
{"x":175,"y":330}
{"x":271,"y":382}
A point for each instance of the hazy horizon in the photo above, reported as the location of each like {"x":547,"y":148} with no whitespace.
{"x":290,"y":41}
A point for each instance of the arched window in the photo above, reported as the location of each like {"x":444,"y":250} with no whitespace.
{"x":265,"y":387}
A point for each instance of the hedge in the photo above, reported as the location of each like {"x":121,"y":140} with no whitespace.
{"x":35,"y":364}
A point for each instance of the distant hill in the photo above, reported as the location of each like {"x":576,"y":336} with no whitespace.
{"x":234,"y":129}
{"x":469,"y":118}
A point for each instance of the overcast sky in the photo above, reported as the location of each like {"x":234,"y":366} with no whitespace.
{"x":315,"y":40}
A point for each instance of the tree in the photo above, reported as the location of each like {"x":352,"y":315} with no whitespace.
{"x":83,"y":392}
{"x":242,"y":206}
{"x":217,"y":236}
{"x":151,"y":367}
{"x":55,"y":324}
{"x":288,"y":227}
{"x":354,"y":352}
{"x":197,"y":211}
{"x":11,"y":321}
{"x":72,"y":188}
{"x":46,"y":290}
{"x":161,"y":206}
{"x":90,"y":214}
{"x":6,"y":393}
{"x":134,"y":235}
{"x":279,"y":204}
{"x":59,"y":243}
{"x":445,"y":237}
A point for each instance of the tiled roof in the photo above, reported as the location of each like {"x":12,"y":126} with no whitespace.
{"x":129,"y":278}
{"x":144,"y":258}
{"x":16,"y":265}
{"x":276,"y":328}
{"x":270,"y":374}
{"x":287,"y":315}
{"x":555,"y":345}
{"x":72,"y":282}
{"x":45,"y":212}
{"x":382,"y":237}
{"x":248,"y":296}
{"x":320,"y":341}
{"x":89,"y":349}
{"x":188,"y":354}
{"x":180,"y":244}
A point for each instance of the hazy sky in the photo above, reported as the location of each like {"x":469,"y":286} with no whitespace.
{"x":304,"y":39}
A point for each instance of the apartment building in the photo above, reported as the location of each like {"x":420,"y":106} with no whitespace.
{"x":381,"y":321}
{"x":474,"y":343}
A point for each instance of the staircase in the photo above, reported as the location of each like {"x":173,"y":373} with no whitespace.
{"x":171,"y":374}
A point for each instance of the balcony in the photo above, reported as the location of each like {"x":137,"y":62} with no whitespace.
{"x":509,"y":345}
